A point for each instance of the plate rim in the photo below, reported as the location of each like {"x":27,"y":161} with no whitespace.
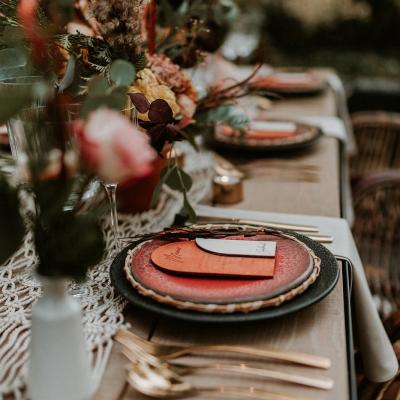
{"x":264,"y":148}
{"x":127,"y":291}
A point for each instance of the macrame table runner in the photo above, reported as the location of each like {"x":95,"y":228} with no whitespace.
{"x":101,"y":307}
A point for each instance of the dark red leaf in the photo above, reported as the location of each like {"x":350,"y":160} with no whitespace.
{"x":140,"y":102}
{"x":146,"y":124}
{"x":158,"y":137}
{"x":160,"y":112}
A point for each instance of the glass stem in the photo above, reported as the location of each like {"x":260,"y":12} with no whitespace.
{"x":111,"y":190}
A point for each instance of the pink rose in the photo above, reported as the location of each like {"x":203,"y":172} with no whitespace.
{"x":114,"y":148}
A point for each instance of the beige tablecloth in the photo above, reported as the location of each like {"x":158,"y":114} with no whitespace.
{"x":380,"y":362}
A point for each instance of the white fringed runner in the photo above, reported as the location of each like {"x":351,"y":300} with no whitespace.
{"x":101,"y":307}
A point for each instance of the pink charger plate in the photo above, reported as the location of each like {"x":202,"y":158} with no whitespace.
{"x":293,"y":265}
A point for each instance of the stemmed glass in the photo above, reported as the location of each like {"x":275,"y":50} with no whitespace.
{"x":111,"y":191}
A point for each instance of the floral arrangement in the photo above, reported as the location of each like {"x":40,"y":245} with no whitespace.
{"x":61,"y":155}
{"x":120,"y":54}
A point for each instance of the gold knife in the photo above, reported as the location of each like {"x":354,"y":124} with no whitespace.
{"x":267,"y":224}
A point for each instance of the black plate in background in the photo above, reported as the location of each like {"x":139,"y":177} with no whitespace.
{"x":316,"y":292}
{"x":259,"y":150}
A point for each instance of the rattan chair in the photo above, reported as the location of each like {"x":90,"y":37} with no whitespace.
{"x":377,"y":233}
{"x":377,"y":135}
{"x":390,"y":390}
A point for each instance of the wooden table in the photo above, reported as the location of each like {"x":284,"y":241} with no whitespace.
{"x":319,"y":329}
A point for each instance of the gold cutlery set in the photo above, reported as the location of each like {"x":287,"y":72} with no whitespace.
{"x":153,"y":372}
{"x":307,"y":230}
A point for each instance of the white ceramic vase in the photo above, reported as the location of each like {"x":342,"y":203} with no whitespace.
{"x":59,"y":360}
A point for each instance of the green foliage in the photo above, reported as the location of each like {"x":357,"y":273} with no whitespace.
{"x":68,"y":245}
{"x":122,"y":73}
{"x":177,"y":179}
{"x":113,"y":93}
{"x":15,"y":97}
{"x":224,"y":114}
{"x":67,"y":241}
{"x":12,"y":226}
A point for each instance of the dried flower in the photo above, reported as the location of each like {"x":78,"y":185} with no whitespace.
{"x":120,"y":22}
{"x":147,"y":84}
{"x":171,"y":75}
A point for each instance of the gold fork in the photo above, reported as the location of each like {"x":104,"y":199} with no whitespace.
{"x":137,"y":355}
{"x":170,"y":352}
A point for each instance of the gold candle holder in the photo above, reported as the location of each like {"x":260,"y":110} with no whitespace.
{"x":227,"y":189}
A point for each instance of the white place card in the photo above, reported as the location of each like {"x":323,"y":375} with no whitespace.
{"x":254,"y":248}
{"x":274,"y":126}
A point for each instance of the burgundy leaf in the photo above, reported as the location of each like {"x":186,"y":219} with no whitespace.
{"x":173,"y":132}
{"x":160,"y":112}
{"x":140,"y":102}
{"x":146,"y":124}
{"x":158,"y":137}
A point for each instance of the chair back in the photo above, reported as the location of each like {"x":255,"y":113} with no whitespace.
{"x":377,"y":136}
{"x":377,"y":233}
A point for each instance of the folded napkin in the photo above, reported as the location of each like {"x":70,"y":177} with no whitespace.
{"x":330,"y":126}
{"x":336,"y":85}
{"x":379,"y":359}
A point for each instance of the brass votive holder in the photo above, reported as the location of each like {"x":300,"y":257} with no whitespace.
{"x":227,"y":189}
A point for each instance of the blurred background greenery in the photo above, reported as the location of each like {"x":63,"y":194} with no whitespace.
{"x":358,"y":38}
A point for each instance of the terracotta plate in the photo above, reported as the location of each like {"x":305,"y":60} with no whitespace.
{"x":292,"y":84}
{"x":316,"y":292}
{"x":293,"y":265}
{"x":305,"y":135}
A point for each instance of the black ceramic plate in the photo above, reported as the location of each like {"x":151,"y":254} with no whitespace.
{"x":321,"y":288}
{"x":263,"y":149}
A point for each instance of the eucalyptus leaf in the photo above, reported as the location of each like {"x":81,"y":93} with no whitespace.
{"x":178,"y":179}
{"x":92,"y":104}
{"x":98,"y":86}
{"x":115,"y":100}
{"x":237,"y":121}
{"x":173,"y":179}
{"x":122,"y":72}
{"x":185,"y":178}
{"x":12,"y":227}
{"x":188,"y":207}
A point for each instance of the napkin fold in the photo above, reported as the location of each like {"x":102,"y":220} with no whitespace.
{"x":330,"y":126}
{"x":379,"y":359}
